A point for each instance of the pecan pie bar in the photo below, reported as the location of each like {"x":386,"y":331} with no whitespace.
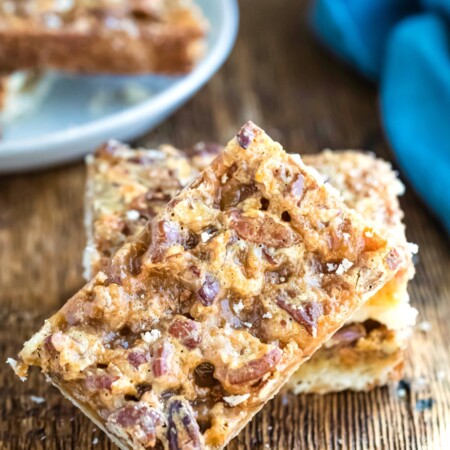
{"x":127,"y":187}
{"x":101,"y":36}
{"x":369,"y":350}
{"x":198,"y":321}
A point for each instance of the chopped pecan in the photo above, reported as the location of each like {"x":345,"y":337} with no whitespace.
{"x":164,"y":234}
{"x":307,"y":314}
{"x":195,"y":270}
{"x":137,"y":249}
{"x":113,"y":273}
{"x":183,"y":432}
{"x":254,"y":369}
{"x":137,"y":358}
{"x":268,"y":256}
{"x":263,"y":230}
{"x":140,"y":420}
{"x":297,"y":186}
{"x":55,"y":342}
{"x":190,"y":241}
{"x":103,"y":381}
{"x":160,"y":360}
{"x":347,"y":335}
{"x":187,"y":331}
{"x":246,"y":135}
{"x":209,"y":290}
{"x":229,"y":314}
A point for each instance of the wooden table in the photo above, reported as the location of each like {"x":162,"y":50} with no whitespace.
{"x":279,"y":77}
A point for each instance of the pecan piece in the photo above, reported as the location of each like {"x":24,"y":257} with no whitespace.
{"x":246,"y":135}
{"x":209,"y":290}
{"x":187,"y":331}
{"x":347,"y":335}
{"x":137,"y":249}
{"x":97,"y":382}
{"x":183,"y":432}
{"x":56,"y":342}
{"x":263,"y":230}
{"x":139,"y":420}
{"x":160,"y":361}
{"x":307,"y":314}
{"x":137,"y":358}
{"x":254,"y":369}
{"x":297,"y":186}
{"x":164,"y":234}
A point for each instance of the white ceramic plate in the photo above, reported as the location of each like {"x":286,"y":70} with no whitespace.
{"x":81,"y":112}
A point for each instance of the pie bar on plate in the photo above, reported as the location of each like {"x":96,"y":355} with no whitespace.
{"x":101,"y":36}
{"x":200,"y":320}
{"x":126,"y":187}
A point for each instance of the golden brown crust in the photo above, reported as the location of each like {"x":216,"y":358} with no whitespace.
{"x":183,"y":339}
{"x":95,"y":36}
{"x":360,"y":356}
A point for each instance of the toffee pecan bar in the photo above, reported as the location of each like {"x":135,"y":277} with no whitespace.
{"x":370,"y":349}
{"x":127,"y":187}
{"x":198,"y":321}
{"x":101,"y":36}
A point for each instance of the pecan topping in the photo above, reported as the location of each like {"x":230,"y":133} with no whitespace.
{"x":104,"y":381}
{"x":254,"y":369}
{"x":138,"y":358}
{"x":347,"y":335}
{"x":298,"y":185}
{"x":55,"y":342}
{"x":307,"y":314}
{"x":183,"y":431}
{"x":263,"y":230}
{"x":246,"y":135}
{"x":137,"y":249}
{"x":164,"y":234}
{"x":268,"y":256}
{"x":209,"y":290}
{"x":139,"y":420}
{"x":187,"y":331}
{"x":160,"y":361}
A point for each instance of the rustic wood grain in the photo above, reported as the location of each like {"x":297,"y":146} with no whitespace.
{"x":282,"y":79}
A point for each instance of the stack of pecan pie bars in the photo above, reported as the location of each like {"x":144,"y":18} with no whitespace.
{"x":218,"y":277}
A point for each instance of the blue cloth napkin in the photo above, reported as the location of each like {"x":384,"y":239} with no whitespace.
{"x":404,"y":45}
